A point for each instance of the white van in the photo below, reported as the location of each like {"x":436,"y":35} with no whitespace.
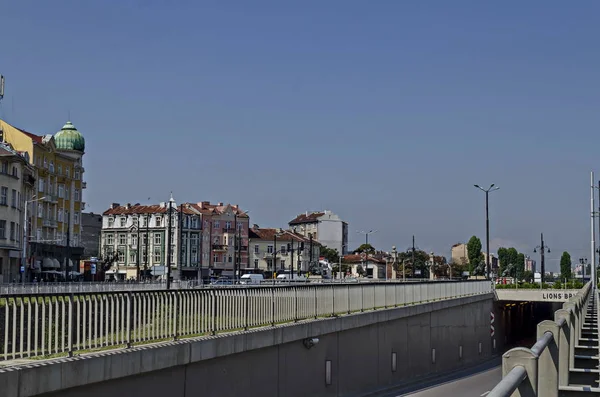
{"x":287,"y":275}
{"x":251,"y":279}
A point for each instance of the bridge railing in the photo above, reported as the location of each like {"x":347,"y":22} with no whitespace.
{"x":543,"y":369}
{"x":86,"y":286}
{"x":53,"y":324}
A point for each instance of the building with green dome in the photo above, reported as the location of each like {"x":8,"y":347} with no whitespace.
{"x":69,"y":139}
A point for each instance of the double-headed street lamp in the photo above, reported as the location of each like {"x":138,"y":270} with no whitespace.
{"x":487,"y":226}
{"x":543,"y":249}
{"x":25,"y":237}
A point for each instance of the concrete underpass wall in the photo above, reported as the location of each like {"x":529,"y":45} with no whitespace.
{"x":274,"y":361}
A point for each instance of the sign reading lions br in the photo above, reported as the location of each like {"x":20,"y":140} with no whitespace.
{"x":535,"y":295}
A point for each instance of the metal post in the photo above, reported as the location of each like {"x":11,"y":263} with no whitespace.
{"x":593,"y":232}
{"x":169,"y":228}
{"x":67,"y":250}
{"x":487,"y":236}
{"x":137,"y":259}
{"x":235,"y":244}
{"x":274,"y":275}
{"x":24,"y":254}
{"x":147,"y":245}
{"x":413,"y":256}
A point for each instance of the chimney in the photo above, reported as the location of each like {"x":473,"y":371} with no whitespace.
{"x":306,"y":213}
{"x":114,"y":205}
{"x":162,"y":204}
{"x":255,"y":226}
{"x":220,"y":204}
{"x":128,"y":206}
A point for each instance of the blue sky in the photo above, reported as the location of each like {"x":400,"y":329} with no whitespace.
{"x":386,"y":112}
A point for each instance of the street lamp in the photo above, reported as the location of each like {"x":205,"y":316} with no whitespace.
{"x":25,"y":237}
{"x":395,"y":256}
{"x":543,"y":249}
{"x":487,"y":226}
{"x":366,"y":233}
{"x":169,"y":242}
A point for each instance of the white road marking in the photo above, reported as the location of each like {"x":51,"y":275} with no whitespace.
{"x":486,"y":393}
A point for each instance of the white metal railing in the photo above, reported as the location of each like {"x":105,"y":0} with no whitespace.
{"x":46,"y":324}
{"x":544,"y":369}
{"x":79,"y":287}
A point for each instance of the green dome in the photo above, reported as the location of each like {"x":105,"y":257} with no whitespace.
{"x":68,"y":138}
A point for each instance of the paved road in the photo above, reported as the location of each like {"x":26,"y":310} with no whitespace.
{"x":473,"y":382}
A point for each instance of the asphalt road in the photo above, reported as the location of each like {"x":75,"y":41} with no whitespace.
{"x":472,"y":382}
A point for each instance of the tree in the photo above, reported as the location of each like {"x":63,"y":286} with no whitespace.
{"x":565,"y":266}
{"x":366,"y":248}
{"x":528,"y":276}
{"x":502,"y":260}
{"x":475,"y":255}
{"x":521,"y":264}
{"x":421,"y":263}
{"x":331,"y":255}
{"x":440,"y":268}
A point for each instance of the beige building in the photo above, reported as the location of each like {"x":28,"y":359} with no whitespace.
{"x":459,"y":254}
{"x":284,"y":248}
{"x":16,"y":185}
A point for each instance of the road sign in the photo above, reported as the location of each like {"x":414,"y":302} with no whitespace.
{"x":22,"y":269}
{"x":492,"y":317}
{"x":93,"y":268}
{"x":492,"y":330}
{"x":159,"y":270}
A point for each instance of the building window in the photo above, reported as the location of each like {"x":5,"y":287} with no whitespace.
{"x":158,"y":221}
{"x":256,"y":263}
{"x":111,"y":222}
{"x":172,"y":254}
{"x":283,"y":249}
{"x":14,"y":198}
{"x":269,"y":264}
{"x":41,"y":185}
{"x":217,"y":224}
{"x":122,"y":239}
{"x":76,"y":220}
{"x":2,"y":229}
{"x":224,"y":240}
{"x":256,"y":249}
{"x":60,"y":215}
{"x":61,"y":190}
{"x":282,"y":265}
{"x":59,"y":169}
{"x":269,"y":249}
{"x":122,"y":221}
{"x":15,"y":172}
{"x":145,"y":239}
{"x":77,"y":175}
{"x":157,"y":239}
{"x":229,"y":259}
{"x":12,"y":231}
{"x":144,"y":256}
{"x":5,"y":167}
{"x":68,"y":172}
{"x":215,"y":258}
{"x":4,"y":196}
{"x":132,"y":257}
{"x":51,"y":166}
{"x":239,"y":225}
{"x":228,"y":225}
{"x":77,"y":197}
{"x":121,"y":253}
{"x":134,"y":240}
{"x":157,"y":255}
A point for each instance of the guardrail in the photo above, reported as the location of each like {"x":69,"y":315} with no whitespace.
{"x":43,"y":325}
{"x":544,"y":369}
{"x":78,"y":287}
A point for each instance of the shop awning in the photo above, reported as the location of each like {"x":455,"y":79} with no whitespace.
{"x":49,"y":263}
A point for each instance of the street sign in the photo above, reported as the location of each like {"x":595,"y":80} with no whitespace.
{"x":492,"y":330}
{"x":22,"y":269}
{"x":158,"y":270}
{"x":492,"y":317}
{"x":93,"y":268}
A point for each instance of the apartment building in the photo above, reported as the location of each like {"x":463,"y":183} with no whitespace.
{"x":277,"y":249}
{"x":57,"y":200}
{"x":325,"y":226}
{"x":16,"y":183}
{"x":224,"y":238}
{"x":459,"y":254}
{"x":206,"y":239}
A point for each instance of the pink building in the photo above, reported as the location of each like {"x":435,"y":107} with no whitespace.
{"x":224,"y":239}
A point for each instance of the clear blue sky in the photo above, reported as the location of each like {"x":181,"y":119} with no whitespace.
{"x":386,"y":112}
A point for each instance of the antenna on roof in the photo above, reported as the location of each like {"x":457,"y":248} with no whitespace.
{"x":1,"y":86}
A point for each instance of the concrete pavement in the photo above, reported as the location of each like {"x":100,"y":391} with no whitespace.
{"x":476,"y":381}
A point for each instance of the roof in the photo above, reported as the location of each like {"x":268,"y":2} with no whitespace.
{"x":206,"y":208}
{"x":34,"y":137}
{"x":68,"y":138}
{"x":356,"y":258}
{"x":268,"y":234}
{"x":307,"y":217}
{"x":146,"y":209}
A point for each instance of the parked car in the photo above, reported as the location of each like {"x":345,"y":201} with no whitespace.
{"x":222,"y":281}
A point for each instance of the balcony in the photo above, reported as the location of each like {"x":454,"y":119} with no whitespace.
{"x":50,"y":223}
{"x":228,"y":230}
{"x":219,"y":247}
{"x":84,"y":185}
{"x":82,"y":205}
{"x":50,"y":198}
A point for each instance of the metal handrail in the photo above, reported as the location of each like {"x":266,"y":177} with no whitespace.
{"x":576,"y":308}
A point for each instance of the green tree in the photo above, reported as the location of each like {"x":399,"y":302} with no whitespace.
{"x":421,"y":263}
{"x":565,"y":266}
{"x":331,"y":255}
{"x":502,"y":260}
{"x":528,"y":276}
{"x":475,"y":256}
{"x":521,"y":264}
{"x":366,"y":248}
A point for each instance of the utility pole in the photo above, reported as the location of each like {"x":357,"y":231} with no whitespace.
{"x":169,"y":249}
{"x":291,"y":249}
{"x":413,"y":256}
{"x":137,"y":254}
{"x":180,"y":245}
{"x":235,"y":245}
{"x":274,"y":256}
{"x":310,"y":251}
{"x":67,"y":259}
{"x":147,"y":245}
{"x":593,"y":231}
{"x":543,"y":249}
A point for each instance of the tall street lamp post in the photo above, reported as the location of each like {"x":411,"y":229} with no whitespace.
{"x":487,"y":226}
{"x":25,"y":236}
{"x":543,"y":248}
{"x":169,"y":249}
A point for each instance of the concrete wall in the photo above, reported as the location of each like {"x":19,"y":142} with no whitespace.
{"x":274,"y":362}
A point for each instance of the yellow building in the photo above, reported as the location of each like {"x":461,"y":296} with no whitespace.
{"x":55,"y":211}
